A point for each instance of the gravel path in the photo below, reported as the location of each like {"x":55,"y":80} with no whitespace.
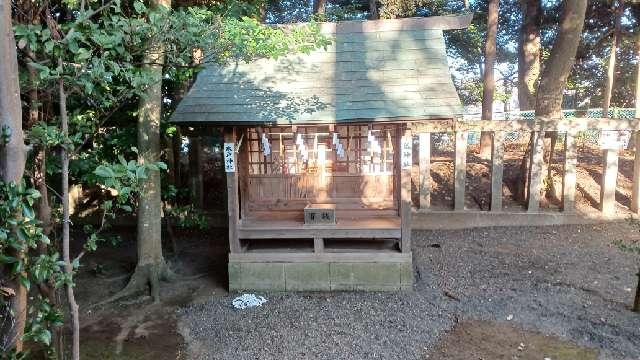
{"x":564,"y":280}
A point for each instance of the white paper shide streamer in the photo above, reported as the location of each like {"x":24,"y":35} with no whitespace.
{"x":246,"y":301}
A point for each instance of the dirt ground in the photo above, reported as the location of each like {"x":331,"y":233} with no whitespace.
{"x":478,"y":187}
{"x":558,"y":292}
{"x":488,"y":340}
{"x":136,"y":328}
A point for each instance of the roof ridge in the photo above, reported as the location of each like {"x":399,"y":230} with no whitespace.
{"x":443,"y":22}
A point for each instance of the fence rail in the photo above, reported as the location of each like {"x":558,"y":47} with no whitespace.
{"x":618,"y":113}
{"x":538,"y":126}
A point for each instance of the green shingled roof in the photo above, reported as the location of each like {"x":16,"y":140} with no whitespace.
{"x":381,"y":70}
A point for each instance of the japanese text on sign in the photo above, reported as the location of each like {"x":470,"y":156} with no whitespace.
{"x":229,"y":160}
{"x":406,"y":153}
{"x":614,"y":140}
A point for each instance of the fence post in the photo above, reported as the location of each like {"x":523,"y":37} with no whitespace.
{"x":535,"y":174}
{"x":460,"y":169}
{"x":405,"y":199}
{"x":608,"y":183}
{"x":232,"y":195}
{"x":569,"y":177}
{"x":425,"y":170}
{"x":497,"y":167}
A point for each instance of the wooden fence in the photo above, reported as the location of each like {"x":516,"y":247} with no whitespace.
{"x":538,"y":127}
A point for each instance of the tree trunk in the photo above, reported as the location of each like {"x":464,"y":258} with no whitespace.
{"x":558,"y":67}
{"x":262,"y":12}
{"x":12,"y":152}
{"x":319,"y":7}
{"x":488,"y":80}
{"x":373,"y":10}
{"x":638,"y":74}
{"x":151,"y":265}
{"x":548,"y":99}
{"x":528,"y":74}
{"x":66,"y":256}
{"x":529,"y":54}
{"x":43,"y":209}
{"x":636,"y":300}
{"x":611,"y":67}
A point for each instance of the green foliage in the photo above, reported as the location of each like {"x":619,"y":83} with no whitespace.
{"x":100,"y":58}
{"x":188,"y":217}
{"x":630,"y":245}
{"x":390,"y":9}
{"x":5,"y":135}
{"x":46,"y":135}
{"x":123,"y":178}
{"x":42,"y":316}
{"x":20,"y":236}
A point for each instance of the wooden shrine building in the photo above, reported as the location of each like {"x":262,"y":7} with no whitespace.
{"x":318,"y":153}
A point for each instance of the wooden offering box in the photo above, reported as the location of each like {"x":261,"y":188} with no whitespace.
{"x":320,"y":214}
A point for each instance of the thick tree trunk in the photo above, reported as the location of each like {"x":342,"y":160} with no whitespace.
{"x":553,"y":81}
{"x":151,"y":264}
{"x":611,"y":66}
{"x":558,"y":67}
{"x":636,"y":299}
{"x":529,"y":54}
{"x":488,"y":80}
{"x":638,"y":74}
{"x":528,"y":74}
{"x":373,"y":10}
{"x":632,"y":141}
{"x":262,"y":12}
{"x":319,"y":7}
{"x":12,"y":153}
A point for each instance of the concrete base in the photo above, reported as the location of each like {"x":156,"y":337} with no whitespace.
{"x":467,"y":219}
{"x":320,"y":276}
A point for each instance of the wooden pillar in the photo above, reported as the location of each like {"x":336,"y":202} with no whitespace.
{"x":608,"y":183}
{"x":425,"y":170}
{"x":460,"y":169}
{"x":243,"y":173}
{"x":195,"y":171}
{"x":405,"y":198}
{"x":536,"y":171}
{"x":569,"y":177}
{"x":497,"y":167}
{"x":232,"y":196}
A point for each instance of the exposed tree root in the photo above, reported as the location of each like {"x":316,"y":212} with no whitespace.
{"x":145,"y":277}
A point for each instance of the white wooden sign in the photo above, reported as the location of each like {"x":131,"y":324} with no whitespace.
{"x":266,"y":147}
{"x":406,"y":154}
{"x":229,"y":159}
{"x":614,"y":140}
{"x":340,"y":150}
